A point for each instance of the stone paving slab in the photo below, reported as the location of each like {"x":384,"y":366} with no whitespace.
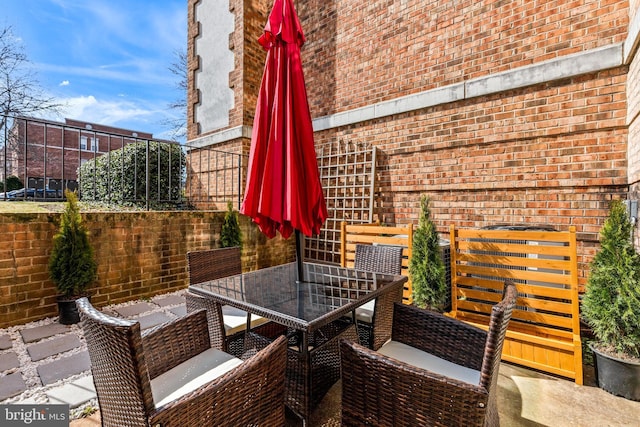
{"x":39,"y":332}
{"x":70,"y":394}
{"x":153,"y":319}
{"x":5,"y":342}
{"x":9,"y":361}
{"x":11,"y":385}
{"x":180,"y":311}
{"x":164,"y":301}
{"x":134,"y":309}
{"x":85,"y":383}
{"x":64,"y":367}
{"x":57,"y":345}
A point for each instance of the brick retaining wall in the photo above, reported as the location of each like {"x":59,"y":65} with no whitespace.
{"x":139,"y":255}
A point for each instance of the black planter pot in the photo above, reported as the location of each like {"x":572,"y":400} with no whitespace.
{"x":618,"y":377}
{"x":67,"y":310}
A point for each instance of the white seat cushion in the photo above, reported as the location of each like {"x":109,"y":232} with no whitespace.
{"x":235,"y":320}
{"x":364,"y":313}
{"x":191,"y":374}
{"x":429,"y":362}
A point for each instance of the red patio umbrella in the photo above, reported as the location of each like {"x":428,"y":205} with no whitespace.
{"x":283,"y":191}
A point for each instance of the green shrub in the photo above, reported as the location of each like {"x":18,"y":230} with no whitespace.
{"x":427,"y":270}
{"x":611,"y":303}
{"x":72,"y":266}
{"x":119,"y":177}
{"x":230,"y":235}
{"x":12,"y":183}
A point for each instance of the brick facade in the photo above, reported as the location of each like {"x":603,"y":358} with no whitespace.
{"x":501,"y":111}
{"x":139,"y":255}
{"x":44,"y":154}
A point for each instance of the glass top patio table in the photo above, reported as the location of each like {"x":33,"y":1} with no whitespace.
{"x":328,"y":293}
{"x":315,"y":312}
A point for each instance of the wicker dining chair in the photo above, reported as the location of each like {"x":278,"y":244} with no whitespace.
{"x":170,"y":375}
{"x":374,"y":321}
{"x":203,"y":266}
{"x":435,"y":371}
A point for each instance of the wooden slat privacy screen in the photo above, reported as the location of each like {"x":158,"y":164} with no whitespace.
{"x":374,"y":233}
{"x":544,"y":332}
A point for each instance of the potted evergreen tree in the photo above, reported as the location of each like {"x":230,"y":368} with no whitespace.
{"x":426,"y":268}
{"x":71,"y":265}
{"x":230,"y":235}
{"x":611,"y":307}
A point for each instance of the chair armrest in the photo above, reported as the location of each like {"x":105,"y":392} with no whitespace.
{"x":171,"y":343}
{"x":439,"y":335}
{"x":250,"y":394}
{"x":384,"y":391}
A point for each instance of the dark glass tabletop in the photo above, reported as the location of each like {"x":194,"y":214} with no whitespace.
{"x":327,"y":292}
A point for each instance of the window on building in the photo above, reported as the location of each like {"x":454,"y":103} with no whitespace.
{"x":84,"y":141}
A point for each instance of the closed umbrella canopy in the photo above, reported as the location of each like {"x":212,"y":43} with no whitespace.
{"x":283,"y":191}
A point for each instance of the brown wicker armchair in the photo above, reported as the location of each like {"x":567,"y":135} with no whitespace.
{"x":226,"y":334}
{"x":170,"y":375}
{"x":373,"y":320}
{"x":435,"y":371}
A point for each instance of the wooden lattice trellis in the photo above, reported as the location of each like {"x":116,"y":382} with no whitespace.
{"x":347,"y":171}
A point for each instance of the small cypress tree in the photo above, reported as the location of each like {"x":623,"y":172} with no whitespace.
{"x":611,"y":303}
{"x":230,"y":235}
{"x":426,"y":267}
{"x":72,"y":266}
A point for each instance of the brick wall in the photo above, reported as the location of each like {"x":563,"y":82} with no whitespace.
{"x":139,"y":254}
{"x":552,"y":152}
{"x":360,"y":52}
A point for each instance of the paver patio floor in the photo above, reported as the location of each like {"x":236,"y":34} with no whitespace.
{"x":47,"y":362}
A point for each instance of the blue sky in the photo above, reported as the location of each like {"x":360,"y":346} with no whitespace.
{"x":106,"y":60}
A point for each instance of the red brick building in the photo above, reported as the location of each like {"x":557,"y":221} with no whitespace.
{"x":46,"y":154}
{"x":503,"y":112}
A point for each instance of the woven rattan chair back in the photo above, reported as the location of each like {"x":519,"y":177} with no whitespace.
{"x":125,"y":361}
{"x":498,"y":324}
{"x":381,"y":391}
{"x":208,"y":265}
{"x":118,"y":367}
{"x":378,"y":258}
{"x":213,"y":264}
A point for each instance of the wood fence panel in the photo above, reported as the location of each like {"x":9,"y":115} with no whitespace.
{"x":544,"y":332}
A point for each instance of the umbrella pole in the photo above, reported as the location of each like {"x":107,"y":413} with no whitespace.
{"x":299,"y":254}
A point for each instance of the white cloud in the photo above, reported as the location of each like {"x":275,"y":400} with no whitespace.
{"x":128,"y":114}
{"x":64,"y":83}
{"x":106,"y":112}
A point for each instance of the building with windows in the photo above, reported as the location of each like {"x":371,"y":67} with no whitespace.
{"x":47,"y":154}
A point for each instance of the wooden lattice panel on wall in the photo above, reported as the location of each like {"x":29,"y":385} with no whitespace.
{"x":347,"y":171}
